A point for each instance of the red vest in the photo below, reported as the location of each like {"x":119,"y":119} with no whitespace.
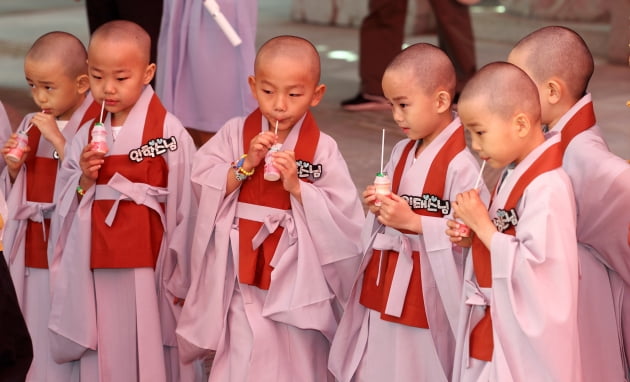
{"x":375,"y":296}
{"x":254,"y":268}
{"x":481,"y":342}
{"x":581,"y":121}
{"x":41,"y":173}
{"x":135,"y":236}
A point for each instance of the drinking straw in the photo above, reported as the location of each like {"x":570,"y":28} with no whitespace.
{"x":382,"y":149}
{"x":479,"y":176}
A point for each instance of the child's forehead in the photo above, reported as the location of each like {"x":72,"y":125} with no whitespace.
{"x":46,"y":71}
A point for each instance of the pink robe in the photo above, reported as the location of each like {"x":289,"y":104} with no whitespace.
{"x":601,"y":182}
{"x":5,"y":131}
{"x":281,"y":334}
{"x":201,"y":77}
{"x":32,"y":284}
{"x":135,"y":335}
{"x":533,"y":298}
{"x":367,"y":348}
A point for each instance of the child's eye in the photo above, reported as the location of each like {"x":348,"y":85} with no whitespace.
{"x":403,"y":105}
{"x":96,"y":77}
{"x":49,"y":88}
{"x":120,"y":79}
{"x":267,"y":91}
{"x":295,"y":95}
{"x":479,"y":132}
{"x":31,"y":85}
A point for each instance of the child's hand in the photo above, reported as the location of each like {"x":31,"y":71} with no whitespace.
{"x":14,"y":166}
{"x":258,"y":148}
{"x":470,"y":209}
{"x":47,"y":124}
{"x":284,"y":161}
{"x":455,"y":234}
{"x":369,"y":197}
{"x":395,"y":212}
{"x":90,"y":163}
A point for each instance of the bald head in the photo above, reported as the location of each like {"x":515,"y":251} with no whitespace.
{"x":428,"y":66}
{"x":292,"y":47}
{"x":556,"y":52}
{"x":63,"y":48}
{"x":504,"y":90}
{"x":123,"y":31}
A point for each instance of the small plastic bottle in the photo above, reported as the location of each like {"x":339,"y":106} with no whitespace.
{"x":382,"y":185}
{"x":271,"y":172}
{"x":99,"y":138}
{"x":15,"y":154}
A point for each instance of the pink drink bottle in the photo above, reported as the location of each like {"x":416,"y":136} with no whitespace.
{"x":383,"y":185}
{"x":99,"y":138}
{"x":15,"y":154}
{"x":271,"y":172}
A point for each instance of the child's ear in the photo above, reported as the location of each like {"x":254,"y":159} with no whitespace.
{"x":553,"y":91}
{"x":522,"y":125}
{"x":318,"y":94}
{"x":83,"y":83}
{"x":443,"y":101}
{"x":149,"y":72}
{"x":251,"y":80}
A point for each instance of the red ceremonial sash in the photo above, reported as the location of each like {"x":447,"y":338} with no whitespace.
{"x":254,"y":268}
{"x":583,"y":120}
{"x":135,"y":236}
{"x":375,"y":296}
{"x":41,"y":173}
{"x":481,"y":341}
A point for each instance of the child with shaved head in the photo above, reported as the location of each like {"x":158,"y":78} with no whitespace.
{"x":560,"y":63}
{"x":519,"y":320}
{"x":400,"y":322}
{"x":272,"y":259}
{"x":56,"y":72}
{"x":121,"y":266}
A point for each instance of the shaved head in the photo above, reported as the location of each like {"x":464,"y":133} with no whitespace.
{"x":62,"y":48}
{"x":292,"y":47}
{"x":557,"y":52}
{"x":429,"y":67}
{"x":123,"y":31}
{"x":505,"y":90}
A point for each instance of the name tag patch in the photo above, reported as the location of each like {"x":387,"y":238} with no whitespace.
{"x":154,"y":147}
{"x":428,"y":202}
{"x":307,"y":170}
{"x":505,"y":219}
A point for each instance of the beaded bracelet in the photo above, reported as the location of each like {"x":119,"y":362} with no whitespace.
{"x":239,"y":171}
{"x":80,"y":191}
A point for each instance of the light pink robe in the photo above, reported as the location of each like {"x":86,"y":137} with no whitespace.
{"x":131,"y":305}
{"x":601,"y":182}
{"x":533,"y":297}
{"x":367,"y":348}
{"x":5,"y":131}
{"x":281,"y":334}
{"x":32,"y":284}
{"x":201,"y":77}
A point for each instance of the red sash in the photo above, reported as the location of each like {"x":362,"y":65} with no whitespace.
{"x":375,"y":296}
{"x":254,"y":268}
{"x":583,"y":120}
{"x":135,"y":236}
{"x":41,"y":173}
{"x":481,"y":342}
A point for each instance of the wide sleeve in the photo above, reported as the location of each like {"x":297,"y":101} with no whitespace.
{"x":534,"y":280}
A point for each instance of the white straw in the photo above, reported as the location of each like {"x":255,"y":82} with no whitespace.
{"x":28,"y":128}
{"x":382,"y":149}
{"x":276,"y":127}
{"x":102,"y":109}
{"x":479,"y":176}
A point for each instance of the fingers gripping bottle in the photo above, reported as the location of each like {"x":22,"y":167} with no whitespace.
{"x":382,"y":185}
{"x":271,"y":172}
{"x":15,"y":154}
{"x":99,"y":138}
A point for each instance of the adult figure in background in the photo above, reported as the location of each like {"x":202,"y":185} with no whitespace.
{"x":147,"y":14}
{"x":382,"y":35}
{"x":201,"y":76}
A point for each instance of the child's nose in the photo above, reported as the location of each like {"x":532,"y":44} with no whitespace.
{"x":280,"y":103}
{"x":108,"y":87}
{"x":40,"y":96}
